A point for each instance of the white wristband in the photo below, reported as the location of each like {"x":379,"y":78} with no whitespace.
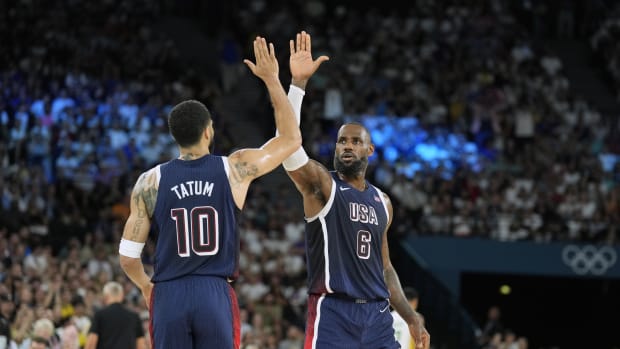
{"x":296,"y":160}
{"x":130,"y":248}
{"x":295,"y":97}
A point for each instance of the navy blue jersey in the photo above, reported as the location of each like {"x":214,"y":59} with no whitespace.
{"x":344,"y":240}
{"x":196,"y":219}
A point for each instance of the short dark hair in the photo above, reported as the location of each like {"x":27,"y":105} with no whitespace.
{"x":410,"y":293}
{"x":355,"y":123}
{"x":187,"y":121}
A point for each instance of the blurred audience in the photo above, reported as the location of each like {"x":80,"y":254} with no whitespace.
{"x":83,"y":110}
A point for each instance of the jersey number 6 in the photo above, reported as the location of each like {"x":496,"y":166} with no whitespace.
{"x":363,"y":244}
{"x":202,"y":232}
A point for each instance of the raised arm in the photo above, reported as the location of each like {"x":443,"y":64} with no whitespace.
{"x":136,"y":231}
{"x":310,"y":177}
{"x":249,"y":164}
{"x":397,"y":296}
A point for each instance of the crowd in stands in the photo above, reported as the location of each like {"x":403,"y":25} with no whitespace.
{"x":83,"y":112}
{"x":605,"y":43}
{"x":551,"y":170}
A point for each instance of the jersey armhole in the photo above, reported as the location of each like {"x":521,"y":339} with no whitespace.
{"x":328,"y":205}
{"x":226,"y":166}
{"x":387,"y":212}
{"x":158,"y":174}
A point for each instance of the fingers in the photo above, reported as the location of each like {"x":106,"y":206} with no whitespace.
{"x":318,"y":62}
{"x":303,"y":40}
{"x":260,"y":50}
{"x":291,"y":43}
{"x":298,"y":42}
{"x":272,"y":51}
{"x":322,"y":59}
{"x":308,"y":42}
{"x":250,"y":64}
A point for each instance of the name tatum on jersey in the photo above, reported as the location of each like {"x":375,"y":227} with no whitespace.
{"x":190,"y":188}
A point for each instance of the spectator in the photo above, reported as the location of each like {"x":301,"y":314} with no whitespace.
{"x":492,"y":327}
{"x":43,"y":330}
{"x":115,"y":326}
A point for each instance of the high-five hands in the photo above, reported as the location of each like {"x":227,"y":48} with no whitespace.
{"x":301,"y":63}
{"x":266,"y":66}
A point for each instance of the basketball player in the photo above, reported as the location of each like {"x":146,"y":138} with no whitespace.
{"x":192,"y":202}
{"x":351,"y":279}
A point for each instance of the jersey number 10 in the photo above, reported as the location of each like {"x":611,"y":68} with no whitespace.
{"x":201,"y":232}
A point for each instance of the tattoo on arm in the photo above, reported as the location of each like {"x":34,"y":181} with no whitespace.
{"x":242,"y":170}
{"x":136,"y":228}
{"x":145,"y":189}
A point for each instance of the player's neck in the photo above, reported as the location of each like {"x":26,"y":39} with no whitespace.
{"x":193,"y":153}
{"x":357,"y":181}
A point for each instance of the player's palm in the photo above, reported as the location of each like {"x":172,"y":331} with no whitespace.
{"x":266,"y":65}
{"x":301,"y":63}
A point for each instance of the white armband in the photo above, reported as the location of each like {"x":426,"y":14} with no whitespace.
{"x":295,"y":97}
{"x":296,"y":160}
{"x":130,"y":248}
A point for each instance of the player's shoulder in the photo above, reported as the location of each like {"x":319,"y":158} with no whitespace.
{"x":154,"y":171}
{"x":149,"y":177}
{"x":383,"y":194}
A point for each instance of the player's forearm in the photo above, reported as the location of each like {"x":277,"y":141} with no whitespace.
{"x":286,"y":122}
{"x":134,"y":269}
{"x":397,"y":297}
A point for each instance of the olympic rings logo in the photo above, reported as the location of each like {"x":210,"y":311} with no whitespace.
{"x":589,"y":259}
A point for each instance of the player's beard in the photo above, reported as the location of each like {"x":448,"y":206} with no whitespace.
{"x":352,"y":169}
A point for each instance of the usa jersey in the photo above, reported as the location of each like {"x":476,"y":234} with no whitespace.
{"x":344,"y":240}
{"x":196,"y":220}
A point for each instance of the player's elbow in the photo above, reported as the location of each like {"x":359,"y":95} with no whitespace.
{"x":128,"y":263}
{"x":290,"y":143}
{"x":296,"y":141}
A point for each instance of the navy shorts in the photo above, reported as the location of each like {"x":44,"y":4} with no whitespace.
{"x":345,"y":323}
{"x":197,"y":312}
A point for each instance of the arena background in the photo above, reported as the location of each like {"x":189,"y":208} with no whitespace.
{"x":496,"y":124}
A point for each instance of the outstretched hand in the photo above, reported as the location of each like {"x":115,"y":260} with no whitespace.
{"x":266,"y":66}
{"x":301,"y":63}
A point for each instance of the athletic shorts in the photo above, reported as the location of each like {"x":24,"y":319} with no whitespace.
{"x":194,"y":312}
{"x":339,"y":322}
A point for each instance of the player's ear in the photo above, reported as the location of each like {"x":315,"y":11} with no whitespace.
{"x":207,"y":132}
{"x":371,"y":149}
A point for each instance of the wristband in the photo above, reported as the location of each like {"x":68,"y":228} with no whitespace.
{"x":296,"y":160}
{"x":130,"y":248}
{"x":295,"y":96}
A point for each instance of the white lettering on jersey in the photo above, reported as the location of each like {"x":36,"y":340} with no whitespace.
{"x":362,"y":213}
{"x":190,"y":188}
